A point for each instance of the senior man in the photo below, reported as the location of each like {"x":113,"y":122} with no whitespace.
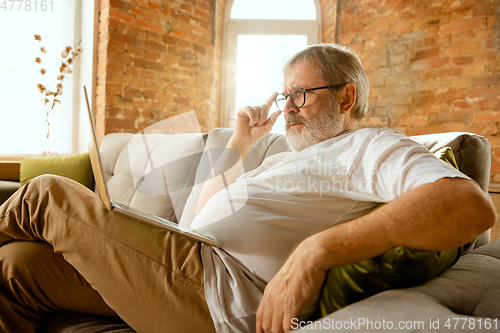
{"x":277,"y":247}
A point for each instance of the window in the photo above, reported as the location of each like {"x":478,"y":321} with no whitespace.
{"x":256,"y":45}
{"x":60,"y":23}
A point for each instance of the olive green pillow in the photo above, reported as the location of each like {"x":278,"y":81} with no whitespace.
{"x":400,"y":267}
{"x":76,"y":167}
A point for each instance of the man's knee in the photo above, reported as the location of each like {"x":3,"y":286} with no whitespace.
{"x":48,"y":181}
{"x":20,"y":259}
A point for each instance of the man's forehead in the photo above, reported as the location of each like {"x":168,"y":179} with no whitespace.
{"x":302,"y":75}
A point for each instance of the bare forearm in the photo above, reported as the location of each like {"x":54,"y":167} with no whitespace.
{"x":252,"y":123}
{"x":224,"y":173}
{"x":433,"y":217}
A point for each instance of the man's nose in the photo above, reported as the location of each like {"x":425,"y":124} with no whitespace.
{"x":289,"y":107}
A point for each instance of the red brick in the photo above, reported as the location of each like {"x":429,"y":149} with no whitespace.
{"x":485,"y":81}
{"x":116,"y":67}
{"x":492,"y":21}
{"x":453,"y":6}
{"x":494,"y":67}
{"x":118,"y":79}
{"x":152,"y":55}
{"x":484,"y":10}
{"x":485,"y":56}
{"x":438,"y":62}
{"x":490,"y":92}
{"x":151,"y":15}
{"x":120,"y":16}
{"x":123,"y":6}
{"x":450,"y":95}
{"x":149,"y":26}
{"x":468,"y":24}
{"x":410,"y":121}
{"x":487,"y":116}
{"x":450,"y":117}
{"x":462,"y":60}
{"x":121,"y":38}
{"x":148,"y":75}
{"x":461,"y":49}
{"x":474,"y":70}
{"x":435,"y":108}
{"x":459,"y":127}
{"x":183,"y":35}
{"x":462,"y":37}
{"x":426,"y":54}
{"x":142,"y":104}
{"x":131,"y":93}
{"x":136,"y":11}
{"x":462,"y":105}
{"x":154,"y":46}
{"x":495,"y":167}
{"x":489,"y":104}
{"x":186,"y":8}
{"x":118,"y":25}
{"x":201,"y":13}
{"x":155,"y":6}
{"x":114,"y":89}
{"x":132,"y":71}
{"x":485,"y":129}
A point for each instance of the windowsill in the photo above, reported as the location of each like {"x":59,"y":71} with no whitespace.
{"x":9,"y":168}
{"x":494,"y":188}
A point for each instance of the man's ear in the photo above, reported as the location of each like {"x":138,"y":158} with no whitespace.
{"x":346,"y":98}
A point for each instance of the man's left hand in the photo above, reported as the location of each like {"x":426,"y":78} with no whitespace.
{"x":289,"y":291}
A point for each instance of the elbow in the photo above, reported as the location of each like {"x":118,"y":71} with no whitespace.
{"x":489,"y":215}
{"x":482,"y":212}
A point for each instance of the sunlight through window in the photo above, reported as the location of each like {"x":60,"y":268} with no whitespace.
{"x":258,"y":73}
{"x":274,"y":9}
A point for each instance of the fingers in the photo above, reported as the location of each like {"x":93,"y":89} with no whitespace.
{"x":258,"y":115}
{"x":270,"y":100}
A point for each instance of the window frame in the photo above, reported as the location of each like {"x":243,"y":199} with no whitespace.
{"x":86,"y":22}
{"x":235,"y":27}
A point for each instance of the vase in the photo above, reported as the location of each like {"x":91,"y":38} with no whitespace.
{"x":47,"y":150}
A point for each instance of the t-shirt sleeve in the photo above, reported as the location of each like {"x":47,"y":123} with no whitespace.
{"x":395,"y":164}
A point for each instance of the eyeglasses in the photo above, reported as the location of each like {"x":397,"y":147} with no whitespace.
{"x":298,"y":96}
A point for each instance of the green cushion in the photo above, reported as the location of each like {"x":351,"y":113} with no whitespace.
{"x":76,"y":167}
{"x":400,"y":267}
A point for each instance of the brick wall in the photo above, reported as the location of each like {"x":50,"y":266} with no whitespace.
{"x":158,"y":58}
{"x":434,"y":65}
{"x":328,"y":20}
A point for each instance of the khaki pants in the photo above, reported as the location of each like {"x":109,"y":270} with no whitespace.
{"x":60,"y":249}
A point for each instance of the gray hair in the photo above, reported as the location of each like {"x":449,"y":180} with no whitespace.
{"x":337,"y":64}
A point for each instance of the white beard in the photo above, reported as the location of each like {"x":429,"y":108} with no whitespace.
{"x":326,"y":125}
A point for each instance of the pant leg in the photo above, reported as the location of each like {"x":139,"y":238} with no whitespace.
{"x":151,"y":278}
{"x":36,"y":281}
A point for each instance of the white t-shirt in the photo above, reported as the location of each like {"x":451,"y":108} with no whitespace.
{"x":294,"y":195}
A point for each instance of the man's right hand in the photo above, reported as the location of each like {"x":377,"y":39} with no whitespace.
{"x":252,"y":124}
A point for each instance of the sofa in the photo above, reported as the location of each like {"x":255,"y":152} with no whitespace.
{"x":464,"y":298}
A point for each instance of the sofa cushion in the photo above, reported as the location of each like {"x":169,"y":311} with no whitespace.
{"x":159,"y":177}
{"x":76,"y":167}
{"x":400,"y":267}
{"x":470,"y":288}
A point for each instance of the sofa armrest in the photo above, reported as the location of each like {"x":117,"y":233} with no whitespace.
{"x":7,"y":188}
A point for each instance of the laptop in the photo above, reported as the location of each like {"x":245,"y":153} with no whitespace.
{"x":102,"y":189}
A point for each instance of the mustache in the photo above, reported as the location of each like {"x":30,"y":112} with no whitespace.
{"x":294,"y":118}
